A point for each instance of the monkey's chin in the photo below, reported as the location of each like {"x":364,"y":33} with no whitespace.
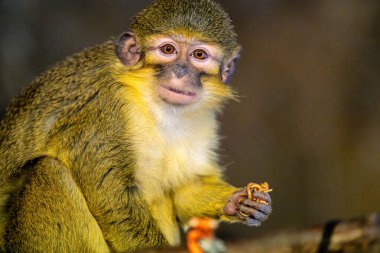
{"x":176,"y":96}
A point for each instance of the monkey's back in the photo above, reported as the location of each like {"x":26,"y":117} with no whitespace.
{"x":60,"y":114}
{"x":32,"y":118}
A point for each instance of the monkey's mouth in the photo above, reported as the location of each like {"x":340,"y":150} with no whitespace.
{"x":175,"y":95}
{"x":183,"y":92}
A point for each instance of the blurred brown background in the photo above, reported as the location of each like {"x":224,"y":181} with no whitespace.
{"x":309,"y":79}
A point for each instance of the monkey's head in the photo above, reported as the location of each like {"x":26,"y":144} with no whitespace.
{"x":188,"y":48}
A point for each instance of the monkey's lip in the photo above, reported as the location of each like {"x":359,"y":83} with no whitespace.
{"x":175,"y":95}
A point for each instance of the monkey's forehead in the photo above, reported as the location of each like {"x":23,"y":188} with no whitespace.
{"x":180,"y":36}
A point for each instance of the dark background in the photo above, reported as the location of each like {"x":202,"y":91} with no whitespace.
{"x":309,"y":117}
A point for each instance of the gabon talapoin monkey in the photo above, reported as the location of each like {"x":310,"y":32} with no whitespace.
{"x":114,"y":147}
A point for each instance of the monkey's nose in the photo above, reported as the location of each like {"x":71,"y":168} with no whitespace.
{"x":180,"y":71}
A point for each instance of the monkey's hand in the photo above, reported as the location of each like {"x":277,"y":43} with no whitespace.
{"x":252,"y":204}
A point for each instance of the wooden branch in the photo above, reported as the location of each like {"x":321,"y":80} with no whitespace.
{"x":357,"y":235}
{"x":361,"y":235}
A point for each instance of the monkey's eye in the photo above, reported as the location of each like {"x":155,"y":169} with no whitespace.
{"x":168,"y":49}
{"x":199,"y":54}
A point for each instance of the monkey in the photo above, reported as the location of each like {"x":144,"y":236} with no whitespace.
{"x":115,"y":147}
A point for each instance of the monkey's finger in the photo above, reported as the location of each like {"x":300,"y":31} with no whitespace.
{"x":262,"y":196}
{"x":266,"y":209}
{"x":252,"y":222}
{"x":252,"y":213}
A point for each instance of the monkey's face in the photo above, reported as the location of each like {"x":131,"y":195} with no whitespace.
{"x":181,"y":64}
{"x":187,"y":71}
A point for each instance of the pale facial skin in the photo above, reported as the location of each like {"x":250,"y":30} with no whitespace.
{"x":183,"y":62}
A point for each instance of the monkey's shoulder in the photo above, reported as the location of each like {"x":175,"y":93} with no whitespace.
{"x":81,"y":67}
{"x":67,"y":80}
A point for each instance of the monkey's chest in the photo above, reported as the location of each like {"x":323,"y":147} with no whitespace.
{"x":164,"y":167}
{"x":160,"y":170}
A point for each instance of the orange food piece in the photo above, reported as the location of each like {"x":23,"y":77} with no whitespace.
{"x":263,"y":187}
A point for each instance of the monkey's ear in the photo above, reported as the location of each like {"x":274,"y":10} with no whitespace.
{"x":127,"y":49}
{"x":229,"y":67}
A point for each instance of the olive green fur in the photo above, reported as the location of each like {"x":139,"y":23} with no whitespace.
{"x":201,"y":16}
{"x":64,"y":112}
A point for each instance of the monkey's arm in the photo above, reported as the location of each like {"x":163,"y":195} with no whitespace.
{"x":203,"y":198}
{"x":214,"y":198}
